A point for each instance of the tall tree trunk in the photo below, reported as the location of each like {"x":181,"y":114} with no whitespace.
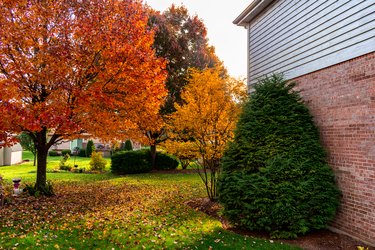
{"x":42,"y":147}
{"x":41,"y":174}
{"x":153,"y":155}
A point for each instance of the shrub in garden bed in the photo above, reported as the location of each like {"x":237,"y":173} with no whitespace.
{"x":275,"y":176}
{"x":131,"y":162}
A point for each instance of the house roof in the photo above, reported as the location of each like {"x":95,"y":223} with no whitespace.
{"x":255,"y":7}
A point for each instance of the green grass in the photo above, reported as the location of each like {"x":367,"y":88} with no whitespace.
{"x":104,"y":211}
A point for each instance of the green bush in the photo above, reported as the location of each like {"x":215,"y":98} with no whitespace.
{"x":165,"y":161}
{"x":53,"y":153}
{"x":128,"y":145}
{"x":82,"y":153}
{"x":275,"y":177}
{"x":66,"y":151}
{"x":90,"y":148}
{"x":97,"y":163}
{"x":131,"y":162}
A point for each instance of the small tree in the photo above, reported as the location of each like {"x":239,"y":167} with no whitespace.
{"x":63,"y":163}
{"x":97,"y":163}
{"x":90,"y":147}
{"x":27,"y":143}
{"x":275,"y":176}
{"x":207,"y":119}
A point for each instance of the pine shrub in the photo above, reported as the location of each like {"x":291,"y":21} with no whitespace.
{"x":275,"y":177}
{"x":90,"y":148}
{"x":128,"y":145}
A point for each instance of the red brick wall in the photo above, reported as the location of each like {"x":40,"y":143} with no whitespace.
{"x":342,"y":101}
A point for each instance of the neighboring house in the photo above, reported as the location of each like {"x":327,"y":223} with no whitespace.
{"x":328,"y":48}
{"x":65,"y":145}
{"x":11,"y":155}
{"x":100,"y":146}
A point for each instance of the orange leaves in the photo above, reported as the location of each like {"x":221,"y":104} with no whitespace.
{"x":65,"y":63}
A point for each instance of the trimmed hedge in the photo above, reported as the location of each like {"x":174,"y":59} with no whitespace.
{"x":131,"y":162}
{"x":165,"y":161}
{"x":275,"y":177}
{"x":66,"y":151}
{"x":53,"y":153}
{"x":140,"y":161}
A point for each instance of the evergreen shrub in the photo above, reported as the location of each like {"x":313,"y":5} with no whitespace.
{"x":128,"y":145}
{"x":131,"y":162}
{"x":165,"y":161}
{"x":90,"y":147}
{"x":274,"y":174}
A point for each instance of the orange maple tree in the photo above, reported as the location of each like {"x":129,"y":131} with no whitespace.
{"x":68,"y":67}
{"x":207,"y":119}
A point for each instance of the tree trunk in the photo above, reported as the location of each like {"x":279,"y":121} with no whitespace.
{"x":35,"y":153}
{"x":153,"y":155}
{"x":42,"y":147}
{"x":41,"y":174}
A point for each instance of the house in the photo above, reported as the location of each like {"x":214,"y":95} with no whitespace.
{"x":10,"y":155}
{"x":328,"y":48}
{"x":100,"y":146}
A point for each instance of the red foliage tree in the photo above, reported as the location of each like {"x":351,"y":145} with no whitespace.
{"x":68,"y":67}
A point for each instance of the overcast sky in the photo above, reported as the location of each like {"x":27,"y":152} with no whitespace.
{"x":218,"y":15}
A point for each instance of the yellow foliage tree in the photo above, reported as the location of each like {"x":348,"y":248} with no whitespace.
{"x":207,"y":119}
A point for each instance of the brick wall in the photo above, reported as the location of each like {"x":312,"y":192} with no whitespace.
{"x":342,"y":101}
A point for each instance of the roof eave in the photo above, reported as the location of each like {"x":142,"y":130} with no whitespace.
{"x":256,"y":7}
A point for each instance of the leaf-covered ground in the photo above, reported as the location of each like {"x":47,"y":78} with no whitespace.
{"x":103,"y":211}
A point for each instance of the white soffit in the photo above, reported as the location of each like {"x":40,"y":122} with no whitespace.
{"x":255,"y":7}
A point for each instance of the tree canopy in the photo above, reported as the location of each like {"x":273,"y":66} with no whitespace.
{"x":68,"y":67}
{"x":182,"y":40}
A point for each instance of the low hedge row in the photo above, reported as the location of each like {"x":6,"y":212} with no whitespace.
{"x":140,"y":161}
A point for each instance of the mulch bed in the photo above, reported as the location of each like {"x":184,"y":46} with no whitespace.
{"x":318,"y":240}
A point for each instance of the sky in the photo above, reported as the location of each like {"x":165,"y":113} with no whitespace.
{"x":228,"y":39}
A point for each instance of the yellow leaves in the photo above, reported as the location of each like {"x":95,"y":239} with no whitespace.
{"x":210,"y":112}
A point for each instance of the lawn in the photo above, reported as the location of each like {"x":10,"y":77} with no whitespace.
{"x":104,"y":211}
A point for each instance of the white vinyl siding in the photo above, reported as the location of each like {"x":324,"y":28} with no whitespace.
{"x":297,"y":37}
